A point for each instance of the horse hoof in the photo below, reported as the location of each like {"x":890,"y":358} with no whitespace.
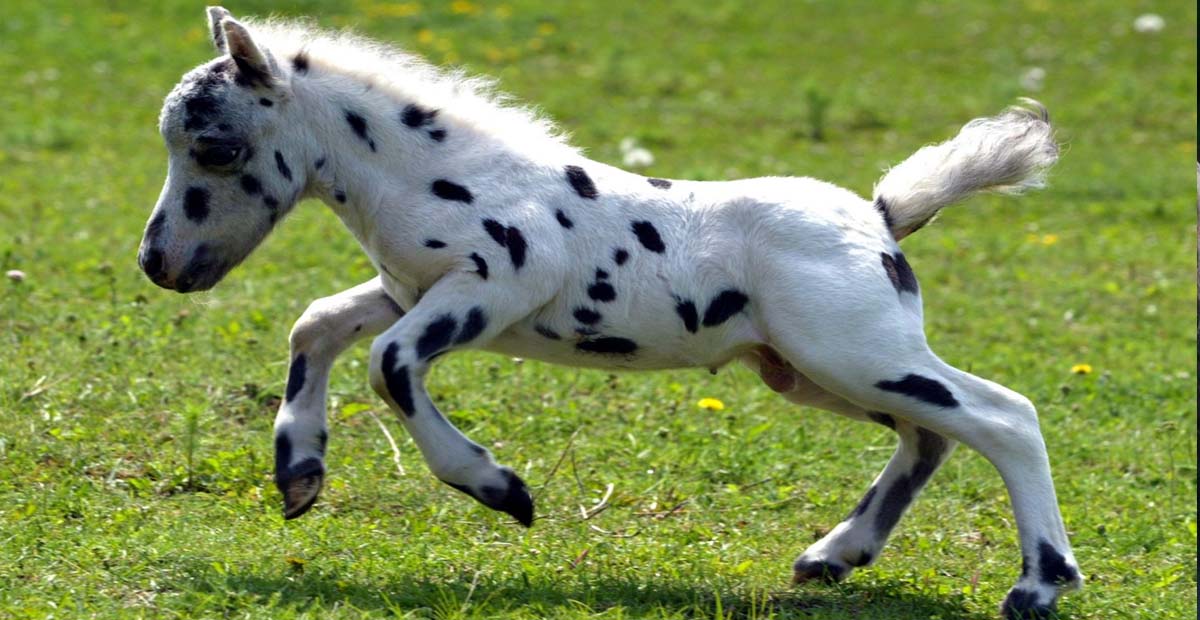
{"x":300,"y":486}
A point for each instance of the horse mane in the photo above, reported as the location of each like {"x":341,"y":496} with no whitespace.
{"x":407,"y":78}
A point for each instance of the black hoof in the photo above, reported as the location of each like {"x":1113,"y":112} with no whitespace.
{"x":1023,"y":605}
{"x":300,"y":486}
{"x":513,"y":499}
{"x":817,"y":570}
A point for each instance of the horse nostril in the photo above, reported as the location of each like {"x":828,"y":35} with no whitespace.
{"x":152,"y":264}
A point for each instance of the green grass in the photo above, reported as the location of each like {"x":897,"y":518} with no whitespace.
{"x":135,"y":446}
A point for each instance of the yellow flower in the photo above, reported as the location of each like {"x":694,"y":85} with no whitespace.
{"x":1081,"y":369}
{"x":425,"y":36}
{"x":404,"y":9}
{"x":711,"y":404}
{"x":1049,"y":239}
{"x":546,"y":28}
{"x":462,"y":7}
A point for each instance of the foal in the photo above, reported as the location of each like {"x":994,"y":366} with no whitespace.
{"x":489,"y":232}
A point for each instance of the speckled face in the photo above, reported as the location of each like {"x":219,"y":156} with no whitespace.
{"x":232,"y":172}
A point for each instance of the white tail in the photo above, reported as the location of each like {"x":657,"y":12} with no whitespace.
{"x":1006,"y":153}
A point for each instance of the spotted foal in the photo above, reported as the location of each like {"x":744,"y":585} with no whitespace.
{"x":490,"y":232}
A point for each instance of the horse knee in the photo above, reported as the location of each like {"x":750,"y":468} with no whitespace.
{"x":311,"y":331}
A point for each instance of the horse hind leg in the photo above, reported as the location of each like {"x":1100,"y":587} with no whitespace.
{"x":881,"y":364}
{"x":858,"y":540}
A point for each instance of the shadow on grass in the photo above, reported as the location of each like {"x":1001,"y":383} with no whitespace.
{"x":314,"y":591}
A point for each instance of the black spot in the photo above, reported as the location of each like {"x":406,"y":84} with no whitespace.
{"x":687,"y":311}
{"x":608,"y":345}
{"x":251,"y":184}
{"x":481,"y":266}
{"x":320,"y":163}
{"x":1053,"y":565}
{"x":647,"y":235}
{"x":398,"y":384}
{"x":322,"y":440}
{"x":414,"y":116}
{"x":818,"y":570}
{"x":620,"y":256}
{"x":920,"y":388}
{"x":271,"y":202}
{"x":516,"y":247}
{"x":339,"y":195}
{"x":282,"y":166}
{"x":864,"y":558}
{"x":602,"y":291}
{"x":726,"y":304}
{"x":199,"y":111}
{"x":295,"y":381}
{"x":472,"y":326}
{"x":899,"y":272}
{"x":435,"y":243}
{"x":660,"y":183}
{"x":563,"y":220}
{"x":438,"y":135}
{"x":359,"y":125}
{"x":930,"y":448}
{"x":908,"y":279}
{"x":437,"y":336}
{"x":587,"y":316}
{"x":358,"y":328}
{"x":882,"y":207}
{"x":601,"y":274}
{"x":496,"y":230}
{"x":581,"y":182}
{"x":863,"y":505}
{"x":283,"y":453}
{"x":882,"y":418}
{"x":300,"y":63}
{"x":546,"y":332}
{"x":266,"y":103}
{"x":451,"y":191}
{"x":198,"y":270}
{"x":195,"y":204}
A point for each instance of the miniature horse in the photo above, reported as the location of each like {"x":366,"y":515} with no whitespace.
{"x":490,"y":232}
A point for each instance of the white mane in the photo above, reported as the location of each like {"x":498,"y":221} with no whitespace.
{"x":470,"y":100}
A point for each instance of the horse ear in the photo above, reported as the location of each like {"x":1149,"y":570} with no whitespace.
{"x":253,"y":66}
{"x":215,"y":15}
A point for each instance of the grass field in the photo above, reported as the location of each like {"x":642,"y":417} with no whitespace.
{"x":135,"y":424}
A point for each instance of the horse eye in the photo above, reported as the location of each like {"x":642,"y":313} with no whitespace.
{"x":219,"y":155}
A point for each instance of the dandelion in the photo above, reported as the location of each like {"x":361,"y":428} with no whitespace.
{"x":711,"y":404}
{"x":1033,"y":79}
{"x":1081,"y":369}
{"x":15,"y":275}
{"x":424,"y":36}
{"x":1049,"y":239}
{"x":1149,"y":23}
{"x":546,"y":29}
{"x":462,"y":7}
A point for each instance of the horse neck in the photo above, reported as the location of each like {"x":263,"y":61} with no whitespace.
{"x":405,"y":158}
